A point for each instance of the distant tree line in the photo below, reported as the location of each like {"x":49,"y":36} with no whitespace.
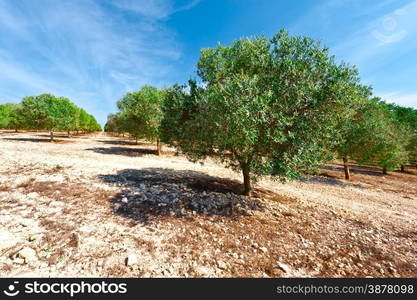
{"x":46,"y":112}
{"x":281,"y":106}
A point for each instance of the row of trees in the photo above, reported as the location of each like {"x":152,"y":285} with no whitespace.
{"x":47,"y":112}
{"x":279,"y":106}
{"x":381,"y":134}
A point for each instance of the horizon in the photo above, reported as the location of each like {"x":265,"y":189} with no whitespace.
{"x":93,"y":52}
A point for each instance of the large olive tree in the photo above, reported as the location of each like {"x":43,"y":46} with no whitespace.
{"x":266,"y":106}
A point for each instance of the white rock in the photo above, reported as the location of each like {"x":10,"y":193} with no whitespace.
{"x":19,"y":261}
{"x":125,"y":200}
{"x":284,"y":267}
{"x":28,"y":254}
{"x":132,"y":260}
{"x":117,"y":206}
{"x":203,"y":271}
{"x":7,"y":240}
{"x":222,"y":265}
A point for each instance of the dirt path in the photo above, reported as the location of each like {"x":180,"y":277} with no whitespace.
{"x":83,"y":206}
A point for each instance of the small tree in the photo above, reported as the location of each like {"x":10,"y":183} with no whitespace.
{"x":69,"y":113}
{"x":53,"y":111}
{"x":353,"y":130}
{"x":142,"y":113}
{"x":83,"y":120}
{"x":269,"y":107}
{"x":114,"y":123}
{"x":11,"y":116}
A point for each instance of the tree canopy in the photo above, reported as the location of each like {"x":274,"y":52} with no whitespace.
{"x":140,"y":114}
{"x":11,"y":116}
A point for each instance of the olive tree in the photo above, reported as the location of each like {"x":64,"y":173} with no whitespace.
{"x":377,"y":137}
{"x":69,"y":113}
{"x":114,"y":123}
{"x":406,"y":118}
{"x":11,"y":116}
{"x":142,"y":113}
{"x":267,"y":106}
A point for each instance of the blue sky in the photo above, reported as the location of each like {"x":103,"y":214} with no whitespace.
{"x":94,"y":51}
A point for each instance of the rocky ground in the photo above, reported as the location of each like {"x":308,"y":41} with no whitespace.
{"x":103,"y":206}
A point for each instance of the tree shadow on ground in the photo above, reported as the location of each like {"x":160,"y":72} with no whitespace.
{"x":65,"y":136}
{"x":112,"y":142}
{"x":410,"y":171}
{"x":356,"y":169}
{"x":123,"y":151}
{"x":36,"y":140}
{"x":56,"y":135}
{"x":328,"y":179}
{"x":155,"y":192}
{"x":8,"y":132}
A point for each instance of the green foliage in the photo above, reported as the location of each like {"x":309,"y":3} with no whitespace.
{"x":114,"y":123}
{"x":141,"y":113}
{"x":86,"y":122}
{"x":47,"y":112}
{"x":269,"y":106}
{"x":407,"y":120}
{"x":180,"y":105}
{"x":69,"y":114}
{"x":375,"y":136}
{"x":11,"y":116}
{"x":412,"y":148}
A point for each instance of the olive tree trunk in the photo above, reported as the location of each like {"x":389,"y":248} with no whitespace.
{"x":402,"y":168}
{"x":346,"y":168}
{"x":246,"y":180}
{"x":384,"y":171}
{"x":52,"y":136}
{"x":158,"y":147}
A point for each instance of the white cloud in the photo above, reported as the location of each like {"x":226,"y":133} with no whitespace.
{"x":156,"y":9}
{"x":385,"y":37}
{"x":408,"y":100}
{"x":150,"y":8}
